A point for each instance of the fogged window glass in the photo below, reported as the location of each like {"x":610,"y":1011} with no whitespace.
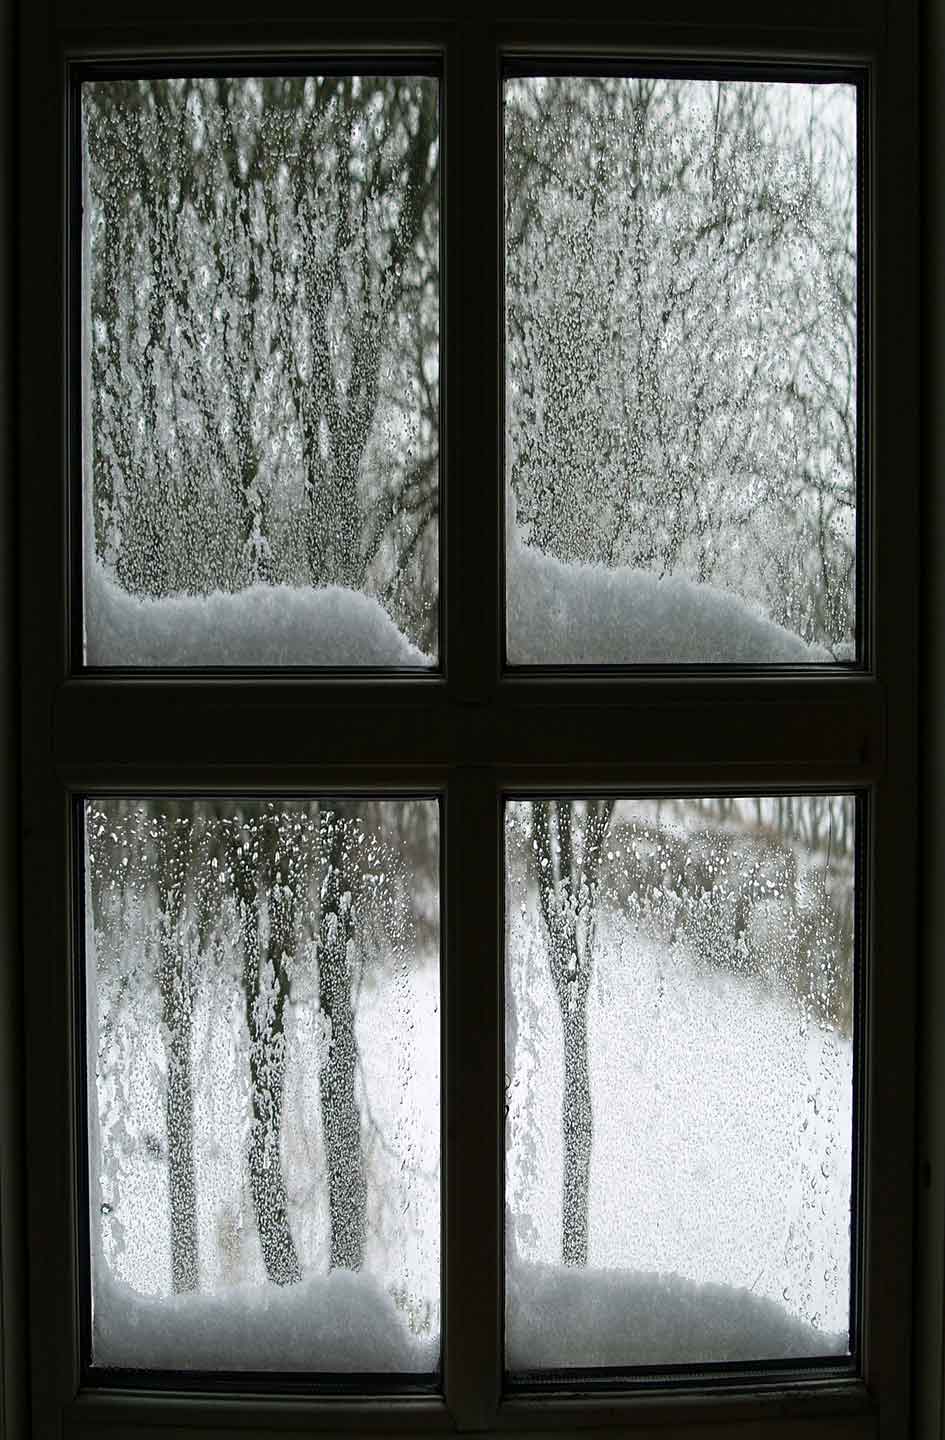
{"x":681,"y":355}
{"x":679,"y":1074}
{"x":261,"y":371}
{"x":262,"y":991}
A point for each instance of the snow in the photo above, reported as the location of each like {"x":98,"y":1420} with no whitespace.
{"x":337,"y":1322}
{"x":272,"y":625}
{"x":577,"y":614}
{"x":719,"y":1200}
{"x":657,"y":352}
{"x":556,"y":1316}
{"x":384,"y":1317}
{"x":557,"y":615}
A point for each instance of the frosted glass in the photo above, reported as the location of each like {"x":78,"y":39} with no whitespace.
{"x":679,"y":1073}
{"x":260,"y":350}
{"x":262,"y":991}
{"x":681,"y":356}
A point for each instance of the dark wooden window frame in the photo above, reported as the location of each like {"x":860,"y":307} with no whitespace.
{"x":474,"y":733}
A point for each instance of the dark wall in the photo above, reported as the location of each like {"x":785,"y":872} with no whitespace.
{"x":930,"y":1263}
{"x":13,"y":1422}
{"x":929,"y":1374}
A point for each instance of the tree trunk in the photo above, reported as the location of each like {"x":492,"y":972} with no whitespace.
{"x":177,"y":1014}
{"x":341,"y":1119}
{"x":565,"y":893}
{"x":577,"y":1126}
{"x":265,"y":997}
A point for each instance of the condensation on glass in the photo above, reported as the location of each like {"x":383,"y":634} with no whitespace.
{"x":263,"y":1057}
{"x":679,"y":1080}
{"x":260,"y":371}
{"x":681,"y":371}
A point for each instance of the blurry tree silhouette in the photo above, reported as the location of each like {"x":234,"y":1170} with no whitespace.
{"x":681,"y":332}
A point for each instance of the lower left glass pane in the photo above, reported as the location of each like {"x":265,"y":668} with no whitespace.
{"x":263,"y":1061}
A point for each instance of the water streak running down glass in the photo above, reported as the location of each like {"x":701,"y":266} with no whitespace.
{"x":681,"y":371}
{"x":679,"y":1077}
{"x":262,"y":987}
{"x":260,"y":352}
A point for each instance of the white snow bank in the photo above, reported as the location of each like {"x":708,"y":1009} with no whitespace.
{"x":557,"y":614}
{"x":336,"y":1322}
{"x":269,"y":625}
{"x":560,"y":1316}
{"x":573,"y":614}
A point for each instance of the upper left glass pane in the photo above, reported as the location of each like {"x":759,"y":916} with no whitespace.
{"x":260,"y":371}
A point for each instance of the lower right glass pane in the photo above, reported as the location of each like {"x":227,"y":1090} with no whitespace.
{"x":679,"y":1072}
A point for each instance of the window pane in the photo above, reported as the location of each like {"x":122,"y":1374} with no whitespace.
{"x":679,"y":1056}
{"x":263,"y":1084}
{"x":681,"y":353}
{"x":261,"y":371}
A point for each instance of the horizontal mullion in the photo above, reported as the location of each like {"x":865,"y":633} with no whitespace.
{"x":743,"y":33}
{"x":845,"y":1404}
{"x":737,"y":27}
{"x":98,"y":1413}
{"x":844,"y":1413}
{"x":209,"y":734}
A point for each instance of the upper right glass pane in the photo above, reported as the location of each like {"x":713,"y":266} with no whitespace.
{"x":681,"y":371}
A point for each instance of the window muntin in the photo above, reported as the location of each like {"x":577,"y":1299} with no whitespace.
{"x":681,"y":370}
{"x":261,"y":357}
{"x":680,"y":1060}
{"x":262,"y":987}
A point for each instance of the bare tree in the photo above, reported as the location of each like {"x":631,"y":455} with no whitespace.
{"x":681,"y":319}
{"x":341,"y":1116}
{"x":263,"y":258}
{"x":176,"y":981}
{"x":568,"y":845}
{"x":259,"y":884}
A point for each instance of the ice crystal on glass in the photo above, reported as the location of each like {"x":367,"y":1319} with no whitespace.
{"x":679,"y":1073}
{"x":260,"y":349}
{"x":681,"y":369}
{"x":263,"y":1083}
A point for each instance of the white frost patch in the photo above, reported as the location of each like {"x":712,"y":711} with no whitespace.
{"x":573,"y":614}
{"x":264,"y":625}
{"x":561,"y":1316}
{"x":337,"y":1322}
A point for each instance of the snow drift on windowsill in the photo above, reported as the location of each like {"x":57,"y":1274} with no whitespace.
{"x":270,"y":625}
{"x":576,"y":614}
{"x":557,"y":615}
{"x":338,"y":1322}
{"x":559,"y":1315}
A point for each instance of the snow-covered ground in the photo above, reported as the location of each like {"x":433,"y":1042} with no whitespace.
{"x":720,"y":1173}
{"x":719,"y":1201}
{"x":557,"y":614}
{"x":571,"y":614}
{"x":384,"y":1318}
{"x":269,"y":625}
{"x":588,"y":615}
{"x":340,"y":1322}
{"x":558,"y":1317}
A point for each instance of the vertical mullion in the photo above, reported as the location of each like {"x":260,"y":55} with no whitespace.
{"x":473,"y":1142}
{"x":473,"y":1092}
{"x":472,"y":265}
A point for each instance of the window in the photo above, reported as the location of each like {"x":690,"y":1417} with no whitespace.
{"x":512,"y":751}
